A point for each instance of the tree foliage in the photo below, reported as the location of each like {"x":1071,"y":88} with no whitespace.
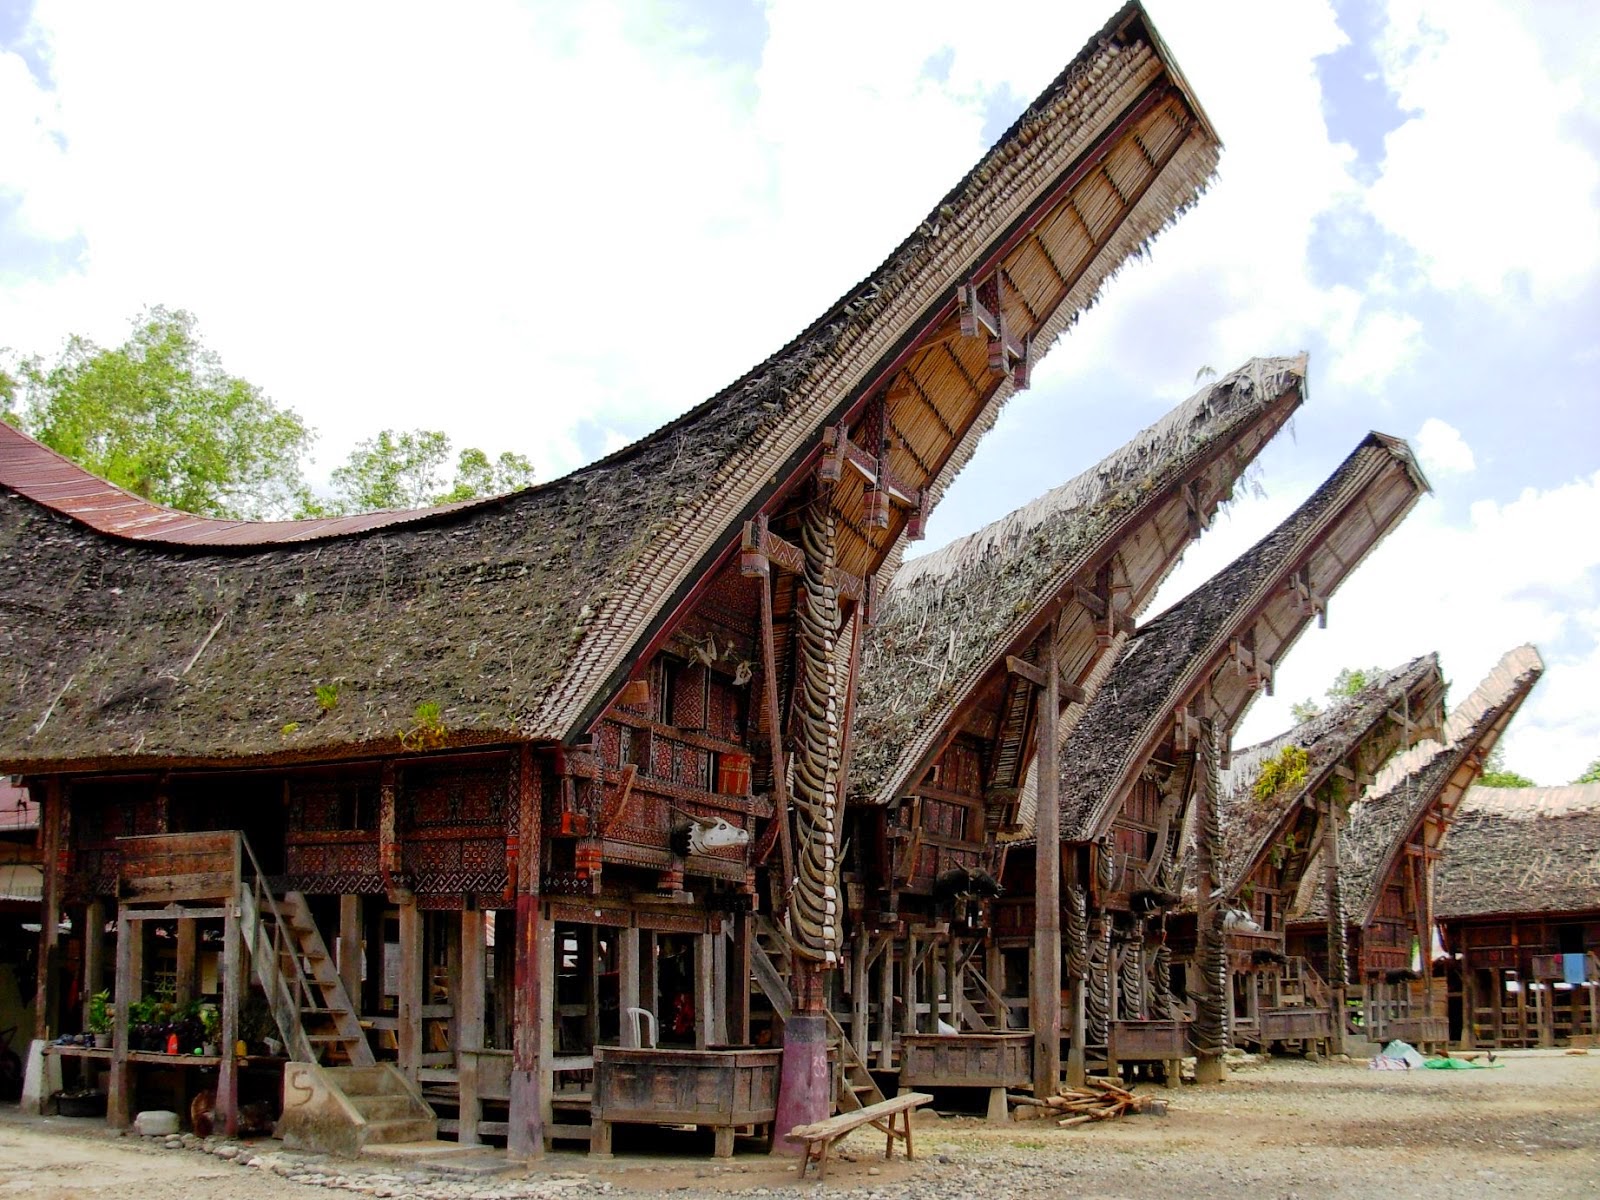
{"x":1348,"y":682}
{"x":159,"y":416}
{"x":405,"y":469}
{"x":1591,"y":773}
{"x":1496,"y":774}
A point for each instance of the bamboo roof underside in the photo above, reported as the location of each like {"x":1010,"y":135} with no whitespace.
{"x":1421,"y":788}
{"x":171,"y":641}
{"x":1515,"y":851}
{"x":945,"y":624}
{"x":1354,"y":737}
{"x":1210,"y":653}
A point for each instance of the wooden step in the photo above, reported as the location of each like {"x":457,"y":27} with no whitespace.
{"x":408,"y":1129}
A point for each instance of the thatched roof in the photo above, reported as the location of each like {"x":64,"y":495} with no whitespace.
{"x":1397,"y":708}
{"x":128,"y":634}
{"x":1198,"y":647}
{"x":949,"y":618}
{"x":1429,"y":779}
{"x":1521,"y":850}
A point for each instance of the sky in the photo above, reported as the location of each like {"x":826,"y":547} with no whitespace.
{"x":551,"y":227}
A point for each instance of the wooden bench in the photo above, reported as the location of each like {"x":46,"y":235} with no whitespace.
{"x":820,"y":1136}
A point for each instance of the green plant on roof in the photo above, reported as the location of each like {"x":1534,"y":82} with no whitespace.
{"x":427,"y":729}
{"x":327,"y":696}
{"x":1286,"y":769}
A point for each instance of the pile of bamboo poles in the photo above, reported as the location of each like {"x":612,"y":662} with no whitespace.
{"x":1097,"y":1100}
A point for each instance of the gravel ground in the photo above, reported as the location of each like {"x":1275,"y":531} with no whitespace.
{"x":1275,"y":1130}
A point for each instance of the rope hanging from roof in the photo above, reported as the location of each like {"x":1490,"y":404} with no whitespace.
{"x":814,"y":903}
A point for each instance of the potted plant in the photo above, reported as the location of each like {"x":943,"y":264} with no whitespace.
{"x":211,"y":1028}
{"x":142,"y":1031}
{"x":99,"y":1017}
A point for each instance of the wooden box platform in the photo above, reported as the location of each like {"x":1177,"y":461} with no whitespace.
{"x":722,"y":1089}
{"x":987,"y":1060}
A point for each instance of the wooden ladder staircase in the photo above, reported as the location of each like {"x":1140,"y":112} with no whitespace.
{"x":982,"y":1007}
{"x":769,"y":963}
{"x":308,"y":1001}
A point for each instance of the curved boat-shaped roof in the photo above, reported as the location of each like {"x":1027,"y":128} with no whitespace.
{"x":134,"y":633}
{"x":1521,"y":850}
{"x":1249,"y":615}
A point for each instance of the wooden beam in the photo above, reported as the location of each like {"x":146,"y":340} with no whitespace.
{"x":780,"y":782}
{"x":233,"y":994}
{"x":47,"y":990}
{"x":119,"y":1101}
{"x":350,"y":949}
{"x":409,"y":1029}
{"x":1067,"y":692}
{"x":761,"y":547}
{"x":534,"y":962}
{"x":1045,"y":1004}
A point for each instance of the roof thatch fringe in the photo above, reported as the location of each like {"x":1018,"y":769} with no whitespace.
{"x":1522,"y":850}
{"x":948,"y":616}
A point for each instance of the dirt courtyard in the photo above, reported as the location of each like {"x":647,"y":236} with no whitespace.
{"x":1279,"y":1129}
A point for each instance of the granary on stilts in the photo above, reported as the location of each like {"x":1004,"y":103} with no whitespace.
{"x":979,"y":658}
{"x":1517,"y":899}
{"x":1280,"y":804}
{"x":1387,"y":864}
{"x":1138,"y":776}
{"x":491,"y":810}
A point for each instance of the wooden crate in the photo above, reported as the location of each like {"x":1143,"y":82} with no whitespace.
{"x":720,"y":1089}
{"x":987,"y":1060}
{"x":1148,"y":1041}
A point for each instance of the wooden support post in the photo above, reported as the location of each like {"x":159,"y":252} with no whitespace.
{"x":886,"y":1006}
{"x":704,"y":992}
{"x":409,"y":1026}
{"x":119,"y":1099}
{"x":46,"y":1020}
{"x":719,"y":988}
{"x":374,"y":916}
{"x":908,"y":987}
{"x":505,"y":974}
{"x":469,"y":1003}
{"x":627,"y":986}
{"x":591,"y":984}
{"x":860,"y":1033}
{"x":184,"y":988}
{"x":94,"y":953}
{"x":739,"y":981}
{"x":1045,"y":1006}
{"x":350,"y":949}
{"x":535,"y":978}
{"x":232,"y":997}
{"x":780,"y":783}
{"x":452,"y":969}
{"x":648,"y":975}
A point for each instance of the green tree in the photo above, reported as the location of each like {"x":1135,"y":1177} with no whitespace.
{"x":8,"y":398}
{"x":397,"y":470}
{"x":159,"y":416}
{"x":1495,"y":773}
{"x":1348,"y":682}
{"x":1304,"y":710}
{"x":1591,"y":773}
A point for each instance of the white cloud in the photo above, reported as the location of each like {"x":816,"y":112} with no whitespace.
{"x":1485,"y":180}
{"x":1442,"y":450}
{"x":1375,"y":346}
{"x":1470,"y":587}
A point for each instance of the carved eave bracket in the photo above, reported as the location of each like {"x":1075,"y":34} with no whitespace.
{"x":983,"y":315}
{"x":1307,"y":600}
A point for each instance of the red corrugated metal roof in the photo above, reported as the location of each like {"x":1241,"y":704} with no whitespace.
{"x":58,"y":483}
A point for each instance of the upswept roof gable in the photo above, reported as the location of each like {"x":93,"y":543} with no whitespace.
{"x":569,"y":581}
{"x":1174,"y":655}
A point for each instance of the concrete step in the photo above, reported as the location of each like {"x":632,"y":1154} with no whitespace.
{"x":384,"y":1108}
{"x":366,"y":1081}
{"x":412,"y":1129}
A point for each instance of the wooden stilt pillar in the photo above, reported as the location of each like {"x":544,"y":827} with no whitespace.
{"x":1045,"y":1004}
{"x":119,"y":1100}
{"x":505,"y":973}
{"x":860,"y":1033}
{"x":184,"y":983}
{"x":350,"y":948}
{"x":232,"y":997}
{"x":452,"y":968}
{"x":627,"y":985}
{"x":94,"y":953}
{"x":952,"y":980}
{"x":409,"y":1032}
{"x":739,"y":981}
{"x":886,"y":1006}
{"x":535,"y":979}
{"x":46,"y":1020}
{"x":704,"y":992}
{"x":469,"y":1004}
{"x":719,"y":988}
{"x":908,"y":986}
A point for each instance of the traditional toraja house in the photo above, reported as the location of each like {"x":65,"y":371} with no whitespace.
{"x":968,"y":648}
{"x":1517,"y":896}
{"x":1384,"y":884}
{"x":312,"y":758}
{"x":1281,"y":802}
{"x":1140,"y":768}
